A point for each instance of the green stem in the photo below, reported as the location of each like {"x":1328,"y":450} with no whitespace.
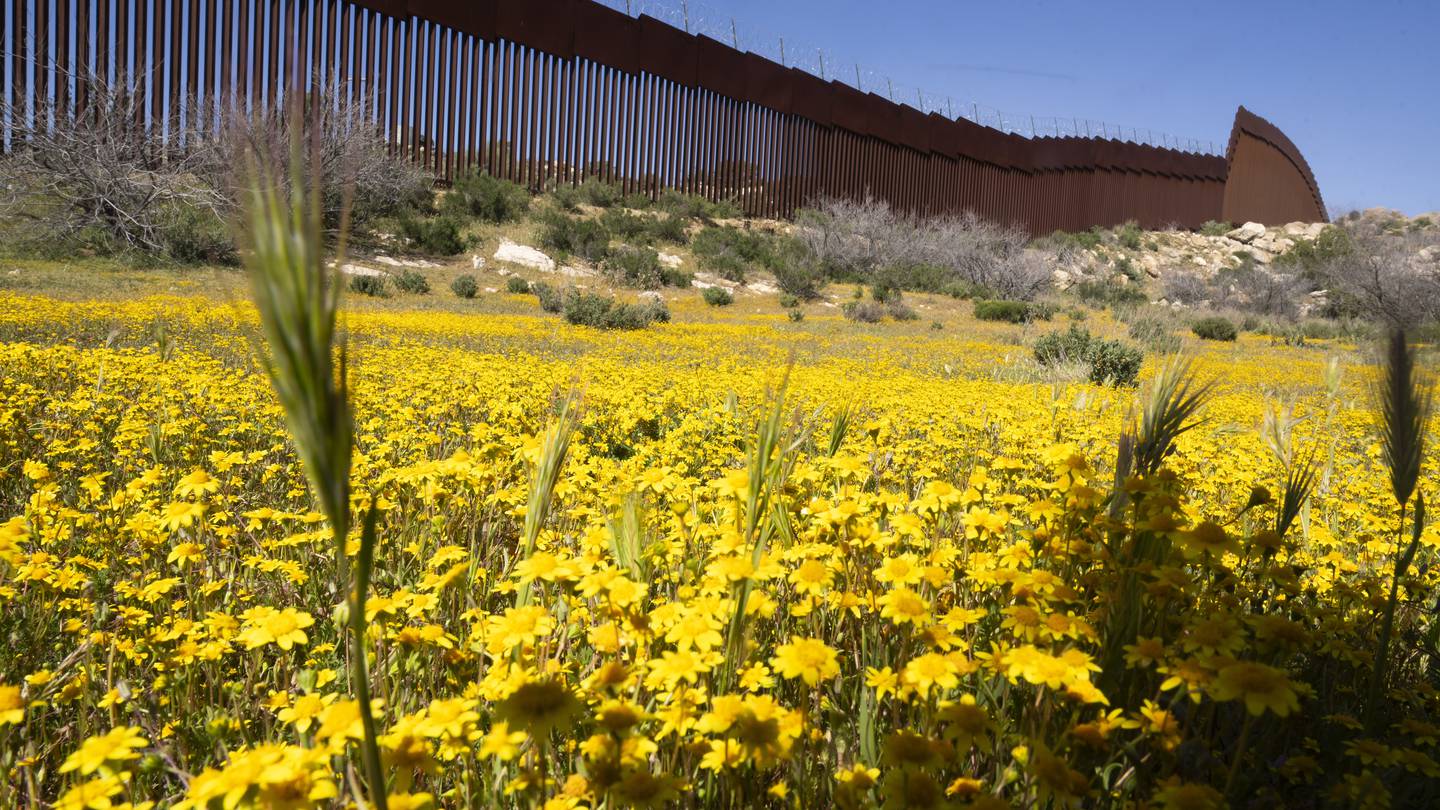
{"x":359,"y":675}
{"x":1387,"y":626}
{"x":1239,"y":751}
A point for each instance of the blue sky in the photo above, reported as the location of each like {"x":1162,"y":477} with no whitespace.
{"x":1355,"y":85}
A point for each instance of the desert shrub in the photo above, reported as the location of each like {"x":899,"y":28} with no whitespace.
{"x":1007,"y":311}
{"x":1154,"y":334}
{"x":1108,"y":361}
{"x":1310,"y":256}
{"x":667,"y":229}
{"x":517,"y":285}
{"x":865,"y":240}
{"x":633,"y":266}
{"x":195,"y":235}
{"x":1071,"y":346}
{"x":602,"y":312}
{"x":599,"y":193}
{"x":624,"y":224}
{"x":1013,"y":311}
{"x":795,"y":315}
{"x":1128,"y":235}
{"x":1127,"y":268}
{"x":1066,"y":243}
{"x":731,"y":252}
{"x":551,"y":299}
{"x":486,"y":197}
{"x":1184,"y":287}
{"x":864,"y":311}
{"x":116,"y":182}
{"x":717,"y":296}
{"x":901,"y":311}
{"x":412,"y":281}
{"x":788,"y":301}
{"x":1215,"y":228}
{"x":566,"y":198}
{"x":465,"y":287}
{"x":964,"y":290}
{"x":1098,"y":293}
{"x":571,"y":236}
{"x":373,"y":286}
{"x":694,"y":206}
{"x":1214,"y":327}
{"x":1115,"y":363}
{"x":437,"y":236}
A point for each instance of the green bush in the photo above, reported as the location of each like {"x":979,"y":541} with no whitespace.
{"x":373,"y":286}
{"x":487,"y":198}
{"x":195,"y":235}
{"x":566,"y":198}
{"x":798,"y":274}
{"x":964,"y":290}
{"x":1310,"y":256}
{"x":412,"y":281}
{"x":1214,"y":228}
{"x":694,"y":206}
{"x":570,"y":236}
{"x":1115,"y":363}
{"x":795,"y":315}
{"x":1109,"y":361}
{"x":789,"y":301}
{"x":1007,"y":311}
{"x":1214,"y":328}
{"x":731,"y":252}
{"x":437,"y":236}
{"x":1128,"y":235}
{"x":465,"y":287}
{"x":1071,"y":346}
{"x":624,"y":224}
{"x":640,"y":267}
{"x":717,"y":296}
{"x":601,"y":312}
{"x":1107,"y":294}
{"x":550,"y":298}
{"x":599,"y":193}
{"x":517,"y":285}
{"x":668,"y":230}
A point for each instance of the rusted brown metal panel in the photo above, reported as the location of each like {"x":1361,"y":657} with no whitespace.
{"x":545,"y":25}
{"x":720,"y":68}
{"x":666,"y":51}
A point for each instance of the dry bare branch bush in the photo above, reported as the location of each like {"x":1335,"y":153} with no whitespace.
{"x":355,"y":165}
{"x":865,"y":239}
{"x":1392,"y":278}
{"x":100,"y":177}
{"x":112,"y":178}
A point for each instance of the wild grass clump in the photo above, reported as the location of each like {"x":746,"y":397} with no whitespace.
{"x":1012,"y":311}
{"x":517,"y":285}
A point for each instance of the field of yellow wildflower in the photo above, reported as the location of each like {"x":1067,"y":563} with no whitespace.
{"x":654,"y":569}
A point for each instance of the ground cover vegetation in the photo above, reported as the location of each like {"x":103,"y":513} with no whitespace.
{"x":335,"y":547}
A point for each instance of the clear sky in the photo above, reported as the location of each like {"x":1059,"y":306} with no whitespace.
{"x":1356,"y":85}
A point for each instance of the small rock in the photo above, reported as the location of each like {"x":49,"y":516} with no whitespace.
{"x":651,"y":296}
{"x":762,"y":287}
{"x":670,"y":259}
{"x":1247,"y":233}
{"x":576,"y":272}
{"x":477,"y":261}
{"x":524,"y":256}
{"x":361,"y":270}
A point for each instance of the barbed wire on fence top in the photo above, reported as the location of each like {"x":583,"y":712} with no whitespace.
{"x":702,"y":18}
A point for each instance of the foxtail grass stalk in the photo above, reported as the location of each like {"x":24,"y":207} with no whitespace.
{"x":556,"y":445}
{"x":304,"y":355}
{"x":1404,"y":404}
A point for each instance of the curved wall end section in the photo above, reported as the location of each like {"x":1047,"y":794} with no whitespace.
{"x":1267,"y":179}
